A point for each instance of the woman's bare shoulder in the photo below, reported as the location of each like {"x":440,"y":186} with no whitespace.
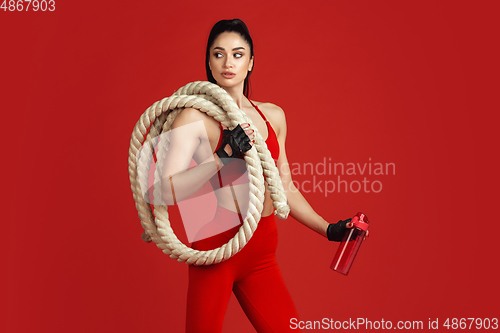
{"x":275,"y":115}
{"x":271,"y":111}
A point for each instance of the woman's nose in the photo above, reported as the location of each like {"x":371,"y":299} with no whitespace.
{"x":228,"y":63}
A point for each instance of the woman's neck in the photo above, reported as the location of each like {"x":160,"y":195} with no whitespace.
{"x":237,"y":95}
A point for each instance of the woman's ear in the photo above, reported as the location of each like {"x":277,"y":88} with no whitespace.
{"x":250,"y":65}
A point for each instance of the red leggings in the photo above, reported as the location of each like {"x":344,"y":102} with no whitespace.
{"x":252,"y":274}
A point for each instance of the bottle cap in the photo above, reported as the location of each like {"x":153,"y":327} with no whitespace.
{"x":362,"y":222}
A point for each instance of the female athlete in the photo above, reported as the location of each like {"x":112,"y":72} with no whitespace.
{"x":252,"y":274}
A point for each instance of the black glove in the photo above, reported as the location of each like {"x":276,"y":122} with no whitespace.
{"x":239,"y":142}
{"x":336,"y":231}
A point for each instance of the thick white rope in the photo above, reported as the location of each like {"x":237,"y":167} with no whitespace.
{"x":158,"y":118}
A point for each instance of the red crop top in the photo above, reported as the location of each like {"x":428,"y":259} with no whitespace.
{"x":233,"y":172}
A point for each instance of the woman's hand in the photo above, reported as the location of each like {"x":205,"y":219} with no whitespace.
{"x":235,"y":143}
{"x":335,"y":231}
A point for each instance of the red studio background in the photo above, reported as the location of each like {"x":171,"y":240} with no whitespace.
{"x":363,"y":82}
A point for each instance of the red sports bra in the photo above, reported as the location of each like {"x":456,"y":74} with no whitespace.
{"x":272,"y":139}
{"x":233,"y":172}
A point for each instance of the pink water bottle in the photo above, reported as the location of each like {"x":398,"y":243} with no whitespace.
{"x":351,"y":242}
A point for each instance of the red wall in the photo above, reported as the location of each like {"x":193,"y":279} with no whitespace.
{"x":360,"y":81}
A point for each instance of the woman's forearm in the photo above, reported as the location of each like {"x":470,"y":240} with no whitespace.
{"x":184,"y":184}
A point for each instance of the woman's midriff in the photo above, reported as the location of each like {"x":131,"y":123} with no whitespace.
{"x":266,"y":228}
{"x":226,"y":200}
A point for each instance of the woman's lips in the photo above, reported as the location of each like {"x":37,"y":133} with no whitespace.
{"x":228,"y":75}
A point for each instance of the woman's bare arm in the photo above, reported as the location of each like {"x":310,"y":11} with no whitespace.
{"x":300,"y":209}
{"x":187,"y":136}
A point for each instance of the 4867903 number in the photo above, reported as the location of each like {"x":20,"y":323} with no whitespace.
{"x":471,"y":323}
{"x":28,"y":5}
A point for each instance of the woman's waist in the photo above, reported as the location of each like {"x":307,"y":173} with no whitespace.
{"x":266,"y":228}
{"x":236,"y":199}
{"x":224,"y":213}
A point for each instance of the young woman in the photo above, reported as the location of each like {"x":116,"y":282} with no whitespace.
{"x":253,"y":273}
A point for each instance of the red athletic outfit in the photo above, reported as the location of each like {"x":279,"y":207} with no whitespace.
{"x":252,"y":274}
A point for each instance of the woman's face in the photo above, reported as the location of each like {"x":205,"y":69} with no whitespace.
{"x":230,"y":59}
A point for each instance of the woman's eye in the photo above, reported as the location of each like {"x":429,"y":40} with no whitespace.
{"x":238,"y":55}
{"x":218,"y":55}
